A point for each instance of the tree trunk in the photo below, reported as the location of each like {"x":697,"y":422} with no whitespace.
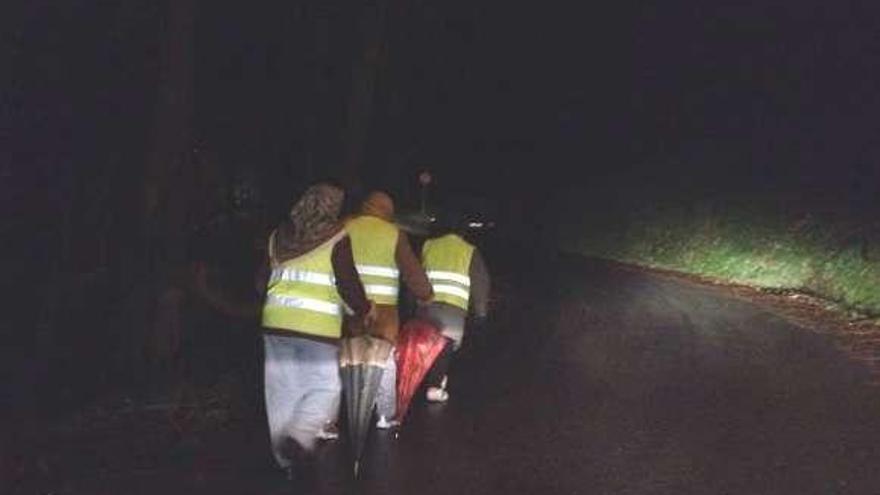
{"x":165,"y":197}
{"x":373,"y":23}
{"x":166,"y":191}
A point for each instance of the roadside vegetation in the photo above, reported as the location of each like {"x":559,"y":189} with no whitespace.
{"x":770,"y":241}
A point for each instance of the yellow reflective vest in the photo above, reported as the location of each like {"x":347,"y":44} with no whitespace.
{"x":373,"y":245}
{"x":447,"y":261}
{"x":301,"y":295}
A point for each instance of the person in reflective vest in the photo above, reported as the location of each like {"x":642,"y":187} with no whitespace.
{"x":383,"y":257}
{"x":312,"y":275}
{"x":461,"y":284}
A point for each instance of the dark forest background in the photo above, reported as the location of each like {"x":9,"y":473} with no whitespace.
{"x":128,"y":125}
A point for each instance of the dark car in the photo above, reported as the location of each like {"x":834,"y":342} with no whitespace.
{"x":474,"y":214}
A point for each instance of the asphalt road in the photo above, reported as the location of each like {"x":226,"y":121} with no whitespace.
{"x":599,"y":380}
{"x":595,"y":379}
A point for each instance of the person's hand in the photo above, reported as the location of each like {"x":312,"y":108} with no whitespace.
{"x":370,"y":317}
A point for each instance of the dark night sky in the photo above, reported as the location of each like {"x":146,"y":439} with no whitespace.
{"x":478,"y":90}
{"x":603,"y":86}
{"x":783,"y":92}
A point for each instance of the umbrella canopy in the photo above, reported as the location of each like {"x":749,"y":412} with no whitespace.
{"x":418,"y":346}
{"x":361,"y":362}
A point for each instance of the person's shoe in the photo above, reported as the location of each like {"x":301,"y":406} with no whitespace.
{"x":302,"y":472}
{"x":384,"y":424}
{"x":304,"y":478}
{"x":437,"y":394}
{"x":328,"y":432}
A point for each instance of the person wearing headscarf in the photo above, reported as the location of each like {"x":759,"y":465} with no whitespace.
{"x":461,"y":284}
{"x":383,"y":257}
{"x":313,"y":282}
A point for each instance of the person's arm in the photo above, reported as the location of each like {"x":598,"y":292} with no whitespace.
{"x":411,"y":270}
{"x":264,"y":270}
{"x":480,"y":285}
{"x":219,"y":301}
{"x":262,"y":276}
{"x":348,"y":282}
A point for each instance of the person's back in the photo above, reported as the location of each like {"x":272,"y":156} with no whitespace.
{"x":447,"y":262}
{"x":374,"y":241}
{"x":382,"y":256}
{"x":301,"y":296}
{"x":312,"y":278}
{"x":460,"y":281}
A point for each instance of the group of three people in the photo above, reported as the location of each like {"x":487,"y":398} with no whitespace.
{"x":332,"y":277}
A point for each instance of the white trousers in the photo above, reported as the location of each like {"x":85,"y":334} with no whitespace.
{"x":302,"y":388}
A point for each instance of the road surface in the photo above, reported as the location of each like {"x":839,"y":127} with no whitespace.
{"x":595,"y":379}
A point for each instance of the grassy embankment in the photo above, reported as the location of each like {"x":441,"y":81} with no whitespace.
{"x":763,"y":242}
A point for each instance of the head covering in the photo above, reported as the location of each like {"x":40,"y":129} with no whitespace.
{"x":378,"y":204}
{"x":313,"y":220}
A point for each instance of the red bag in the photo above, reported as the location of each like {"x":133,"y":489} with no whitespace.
{"x":418,"y":346}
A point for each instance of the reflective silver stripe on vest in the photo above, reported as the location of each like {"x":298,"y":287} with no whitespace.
{"x":451,"y":290}
{"x":380,"y":290}
{"x":294,"y":275}
{"x":378,"y":271}
{"x":450,"y":277}
{"x":304,"y":303}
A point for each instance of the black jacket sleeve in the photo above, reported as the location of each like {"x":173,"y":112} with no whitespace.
{"x":348,"y":282}
{"x":480,"y":285}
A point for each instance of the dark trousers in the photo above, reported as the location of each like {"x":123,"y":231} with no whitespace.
{"x":435,"y":375}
